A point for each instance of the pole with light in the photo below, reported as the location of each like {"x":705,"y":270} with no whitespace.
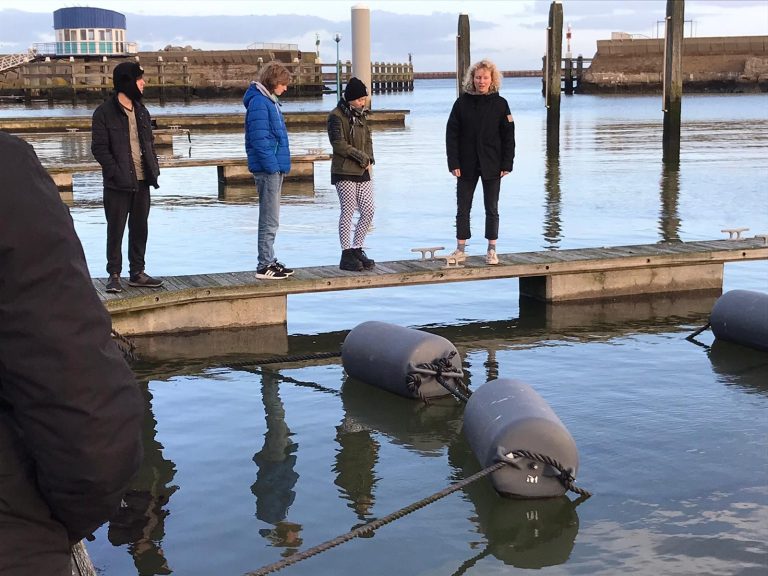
{"x":337,"y":38}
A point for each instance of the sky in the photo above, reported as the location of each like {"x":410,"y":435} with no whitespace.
{"x":510,"y":32}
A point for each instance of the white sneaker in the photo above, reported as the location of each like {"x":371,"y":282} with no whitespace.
{"x":491,"y":258}
{"x":458,"y":255}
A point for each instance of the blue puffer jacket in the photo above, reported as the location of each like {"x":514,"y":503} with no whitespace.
{"x":266,"y":138}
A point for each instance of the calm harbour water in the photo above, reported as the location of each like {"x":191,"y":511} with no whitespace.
{"x":245,"y":466}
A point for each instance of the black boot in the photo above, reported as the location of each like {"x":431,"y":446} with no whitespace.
{"x":360,"y":254}
{"x":349,"y":261}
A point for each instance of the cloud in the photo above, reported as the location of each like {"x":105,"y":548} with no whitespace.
{"x":511,"y":33}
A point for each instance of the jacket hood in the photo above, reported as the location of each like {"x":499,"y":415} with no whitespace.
{"x":254,"y":89}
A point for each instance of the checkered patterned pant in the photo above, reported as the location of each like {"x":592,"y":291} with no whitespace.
{"x":354,"y":196}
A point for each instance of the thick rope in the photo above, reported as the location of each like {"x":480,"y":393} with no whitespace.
{"x":374,"y":525}
{"x":126,"y":346}
{"x":697,"y":332}
{"x":565,"y":477}
{"x":440,"y":368}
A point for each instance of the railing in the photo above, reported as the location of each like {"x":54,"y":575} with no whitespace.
{"x":14,"y":60}
{"x":272,"y":46}
{"x":84,"y":48}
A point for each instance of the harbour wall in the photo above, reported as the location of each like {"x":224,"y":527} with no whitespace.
{"x":710,"y":64}
{"x":191,"y":73}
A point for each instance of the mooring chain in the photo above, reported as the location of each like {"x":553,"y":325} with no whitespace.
{"x":375,"y":524}
{"x":440,"y":368}
{"x":565,"y":477}
{"x":125,"y":345}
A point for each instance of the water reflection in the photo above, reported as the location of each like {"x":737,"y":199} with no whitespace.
{"x":356,"y":460}
{"x":140,"y":521}
{"x":426,"y":429}
{"x":520,"y":533}
{"x":164,"y":356}
{"x":669,"y":217}
{"x":740,"y":366}
{"x":553,"y":205}
{"x":539,"y":322}
{"x":276,"y":477}
{"x":293,"y":192}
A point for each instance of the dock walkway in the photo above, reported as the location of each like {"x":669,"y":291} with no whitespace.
{"x":238,"y":299}
{"x":219,"y":121}
{"x":230,"y":170}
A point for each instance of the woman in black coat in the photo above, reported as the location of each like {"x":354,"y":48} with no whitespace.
{"x":480,"y":143}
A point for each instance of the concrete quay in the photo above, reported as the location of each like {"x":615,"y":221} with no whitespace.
{"x":710,"y":64}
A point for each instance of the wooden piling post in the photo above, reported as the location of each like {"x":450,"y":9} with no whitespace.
{"x":569,"y":76}
{"x":161,"y":78}
{"x":554,"y":73}
{"x":673,"y":79}
{"x":579,"y":71}
{"x":462,"y":52}
{"x":185,"y":79}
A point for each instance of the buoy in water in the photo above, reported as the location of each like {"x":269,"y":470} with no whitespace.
{"x":741,"y":316}
{"x":394,"y":357}
{"x":504,"y":416}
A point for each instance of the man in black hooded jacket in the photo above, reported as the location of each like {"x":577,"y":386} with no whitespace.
{"x":122,"y":142}
{"x":70,"y":409}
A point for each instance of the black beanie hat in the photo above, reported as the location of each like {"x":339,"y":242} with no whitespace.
{"x":124,"y":78}
{"x":355,"y":89}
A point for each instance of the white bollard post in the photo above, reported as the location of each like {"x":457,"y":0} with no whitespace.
{"x":361,"y":46}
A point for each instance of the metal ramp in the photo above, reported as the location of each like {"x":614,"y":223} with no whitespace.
{"x":13,"y":60}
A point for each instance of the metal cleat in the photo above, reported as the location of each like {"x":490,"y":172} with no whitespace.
{"x":734,"y":233}
{"x":431,"y":251}
{"x":450,"y":262}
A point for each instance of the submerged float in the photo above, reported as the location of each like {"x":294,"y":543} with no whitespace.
{"x":505,"y":420}
{"x":741,"y":316}
{"x":402,"y":360}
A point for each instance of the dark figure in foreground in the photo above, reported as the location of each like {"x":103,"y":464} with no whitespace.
{"x":122,"y":142}
{"x":480,"y":142}
{"x":70,"y":410}
{"x":351,"y":166}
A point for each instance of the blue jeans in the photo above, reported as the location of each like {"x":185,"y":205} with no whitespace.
{"x":268,"y":186}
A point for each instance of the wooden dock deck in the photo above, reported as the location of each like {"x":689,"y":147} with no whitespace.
{"x":230,"y":170}
{"x":224,"y":120}
{"x":238,"y":299}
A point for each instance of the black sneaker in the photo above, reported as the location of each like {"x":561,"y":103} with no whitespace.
{"x":360,"y":254}
{"x":271,"y":272}
{"x":144,"y":280}
{"x":349,"y":261}
{"x":113,"y":284}
{"x":283,"y":268}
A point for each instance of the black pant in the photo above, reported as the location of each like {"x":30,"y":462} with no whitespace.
{"x":132,"y":207}
{"x":465,"y":191}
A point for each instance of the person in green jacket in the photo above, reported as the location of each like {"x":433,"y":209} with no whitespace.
{"x":351,"y":166}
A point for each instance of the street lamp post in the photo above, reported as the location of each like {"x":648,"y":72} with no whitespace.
{"x":337,"y":38}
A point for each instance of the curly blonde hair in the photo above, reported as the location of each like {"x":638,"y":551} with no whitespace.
{"x":469,"y":78}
